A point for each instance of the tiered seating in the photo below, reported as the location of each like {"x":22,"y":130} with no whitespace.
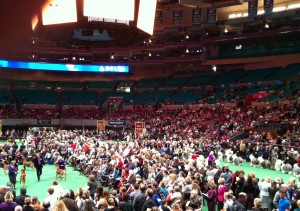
{"x":259,"y":75}
{"x":4,"y":96}
{"x":249,"y":52}
{"x":70,"y":85}
{"x":127,"y":96}
{"x":289,"y":48}
{"x":32,"y":84}
{"x":79,"y":97}
{"x":200,"y":80}
{"x":36,"y":96}
{"x":149,"y":83}
{"x":182,"y":97}
{"x":285,"y":73}
{"x":230,"y":77}
{"x":152,"y":97}
{"x":102,"y":84}
{"x":174,"y":82}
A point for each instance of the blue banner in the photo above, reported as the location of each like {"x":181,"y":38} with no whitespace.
{"x":64,"y":67}
{"x":116,"y":122}
{"x":44,"y":121}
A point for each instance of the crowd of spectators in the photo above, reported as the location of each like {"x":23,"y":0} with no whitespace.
{"x":165,"y":173}
{"x":163,"y":168}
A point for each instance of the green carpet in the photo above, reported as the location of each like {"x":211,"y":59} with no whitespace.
{"x":259,"y":172}
{"x":35,"y":188}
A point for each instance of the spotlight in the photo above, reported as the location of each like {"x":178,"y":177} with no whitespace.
{"x":267,"y":26}
{"x":187,"y":36}
{"x":149,"y":54}
{"x":214,"y":68}
{"x":112,"y":56}
{"x":225,"y":30}
{"x":187,"y":50}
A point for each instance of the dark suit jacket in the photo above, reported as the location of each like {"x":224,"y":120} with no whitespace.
{"x":36,"y":163}
{"x":149,"y":203}
{"x":159,"y":177}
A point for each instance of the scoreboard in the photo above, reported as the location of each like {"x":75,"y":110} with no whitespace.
{"x":117,"y":11}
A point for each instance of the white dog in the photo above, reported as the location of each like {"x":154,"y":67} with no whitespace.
{"x":287,"y":169}
{"x":278,"y":164}
{"x":237,"y":160}
{"x":228,"y":155}
{"x":296,"y":170}
{"x":220,"y":156}
{"x":253,"y":161}
{"x":266,"y":164}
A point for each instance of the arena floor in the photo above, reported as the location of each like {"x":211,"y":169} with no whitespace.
{"x":34,"y":188}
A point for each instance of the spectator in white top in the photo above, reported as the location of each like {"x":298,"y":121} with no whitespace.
{"x":264,"y":192}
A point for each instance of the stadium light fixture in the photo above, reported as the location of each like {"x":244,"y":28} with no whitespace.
{"x":214,"y":68}
{"x":267,"y":26}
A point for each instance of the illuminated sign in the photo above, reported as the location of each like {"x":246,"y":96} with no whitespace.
{"x":65,"y":67}
{"x":146,"y":15}
{"x":108,"y":20}
{"x":111,"y":9}
{"x":59,"y":11}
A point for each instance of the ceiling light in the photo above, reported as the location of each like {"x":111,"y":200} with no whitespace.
{"x":267,"y":26}
{"x":225,"y":30}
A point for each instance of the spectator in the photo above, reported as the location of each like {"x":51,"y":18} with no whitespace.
{"x":20,"y":200}
{"x":8,"y":204}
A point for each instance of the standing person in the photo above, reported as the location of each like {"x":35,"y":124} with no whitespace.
{"x":38,"y":164}
{"x":284,"y":203}
{"x":212,"y":197}
{"x":150,"y":202}
{"x":12,"y":173}
{"x":221,"y":190}
{"x":211,"y":158}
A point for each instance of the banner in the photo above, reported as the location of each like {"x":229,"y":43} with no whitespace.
{"x":44,"y":121}
{"x":252,"y":8}
{"x":196,"y":16}
{"x":116,"y":122}
{"x":100,"y":125}
{"x":268,"y":6}
{"x":177,"y":17}
{"x":211,"y":15}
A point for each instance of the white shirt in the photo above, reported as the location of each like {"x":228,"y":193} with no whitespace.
{"x":52,"y":199}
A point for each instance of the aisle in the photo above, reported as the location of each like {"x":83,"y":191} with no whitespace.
{"x":35,"y":188}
